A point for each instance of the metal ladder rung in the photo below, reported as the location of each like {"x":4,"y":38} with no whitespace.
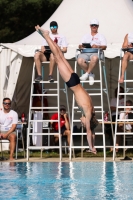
{"x":45,"y":111}
{"x":53,"y":89}
{"x":128,"y":81}
{"x":95,"y":89}
{"x":43,"y":147}
{"x":95,"y":94}
{"x":47,"y":120}
{"x":78,"y":120}
{"x":97,"y":133}
{"x":45,"y":62}
{"x":76,"y":107}
{"x":47,"y":95}
{"x":126,"y":93}
{"x":126,"y":147}
{"x":124,"y":120}
{"x":126,"y":107}
{"x":46,"y":82}
{"x":43,"y":133}
{"x":124,"y":133}
{"x":95,"y":81}
{"x":96,"y":111}
{"x":50,"y":108}
{"x":84,"y":147}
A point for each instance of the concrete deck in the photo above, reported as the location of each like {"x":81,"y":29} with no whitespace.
{"x":79,"y":159}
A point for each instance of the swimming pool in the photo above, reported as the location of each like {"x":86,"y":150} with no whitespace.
{"x":74,"y":180}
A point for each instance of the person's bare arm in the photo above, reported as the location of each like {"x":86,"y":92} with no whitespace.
{"x":99,"y":46}
{"x":125,"y":43}
{"x":9,"y":131}
{"x":64,"y":49}
{"x":51,"y":123}
{"x":94,"y":46}
{"x":67,"y":125}
{"x":81,"y":46}
{"x":42,"y":49}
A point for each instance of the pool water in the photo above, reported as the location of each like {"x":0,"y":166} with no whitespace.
{"x":74,"y":180}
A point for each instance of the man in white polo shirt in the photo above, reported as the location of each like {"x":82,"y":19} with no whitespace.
{"x":96,"y":40}
{"x":8,"y":123}
{"x":45,"y":55}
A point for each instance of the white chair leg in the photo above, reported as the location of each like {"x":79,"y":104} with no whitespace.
{"x":16,"y":144}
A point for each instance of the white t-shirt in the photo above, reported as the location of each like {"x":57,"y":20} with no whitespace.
{"x":97,"y":39}
{"x":130,"y":38}
{"x":62,"y":42}
{"x":125,"y":116}
{"x":113,"y":103}
{"x":7,"y":119}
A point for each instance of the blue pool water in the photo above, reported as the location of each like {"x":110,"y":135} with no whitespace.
{"x":74,"y":180}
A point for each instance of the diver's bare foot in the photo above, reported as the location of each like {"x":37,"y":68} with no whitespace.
{"x":41,"y":31}
{"x":121,"y":80}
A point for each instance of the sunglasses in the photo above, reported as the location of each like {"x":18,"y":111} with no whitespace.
{"x":53,"y":27}
{"x":6,"y":103}
{"x":62,"y":109}
{"x":94,"y":25}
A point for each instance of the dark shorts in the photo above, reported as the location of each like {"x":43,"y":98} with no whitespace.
{"x":63,"y":128}
{"x":47,"y":55}
{"x":74,"y":80}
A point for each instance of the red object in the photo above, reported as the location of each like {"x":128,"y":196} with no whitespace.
{"x":55,"y":124}
{"x":106,"y":116}
{"x":23,"y":117}
{"x":56,"y":40}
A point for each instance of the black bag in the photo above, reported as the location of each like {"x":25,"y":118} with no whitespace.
{"x":93,"y":122}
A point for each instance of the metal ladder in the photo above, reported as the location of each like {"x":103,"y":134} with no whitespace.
{"x":124,"y":121}
{"x":98,"y":109}
{"x":55,"y":93}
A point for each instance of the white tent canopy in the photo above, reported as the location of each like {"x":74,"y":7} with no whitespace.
{"x":73,"y":17}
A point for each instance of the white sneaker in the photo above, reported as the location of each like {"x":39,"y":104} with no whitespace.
{"x":84,"y":77}
{"x":91,"y":78}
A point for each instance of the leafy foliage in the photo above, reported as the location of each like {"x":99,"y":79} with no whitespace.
{"x":18,"y":17}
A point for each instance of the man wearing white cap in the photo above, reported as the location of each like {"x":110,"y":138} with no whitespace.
{"x":128,"y":44}
{"x":96,"y":40}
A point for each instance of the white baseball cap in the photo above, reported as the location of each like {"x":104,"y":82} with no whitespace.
{"x":94,"y":21}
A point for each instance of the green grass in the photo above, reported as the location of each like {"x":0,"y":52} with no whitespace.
{"x":55,"y":154}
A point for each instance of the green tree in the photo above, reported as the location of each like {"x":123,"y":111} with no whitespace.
{"x":18,"y":17}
